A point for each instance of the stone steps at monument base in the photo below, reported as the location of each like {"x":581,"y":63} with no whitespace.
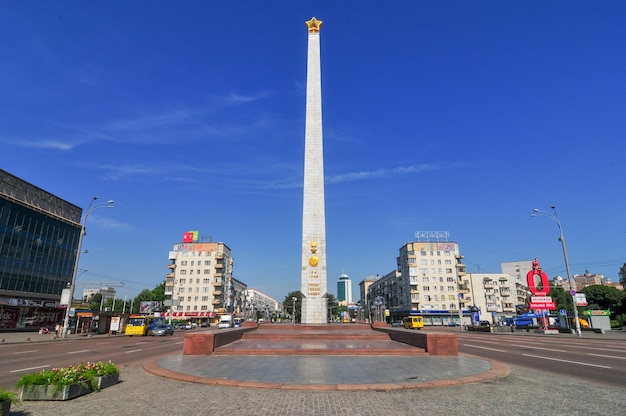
{"x":318,"y":346}
{"x":313,"y":351}
{"x":315,"y":335}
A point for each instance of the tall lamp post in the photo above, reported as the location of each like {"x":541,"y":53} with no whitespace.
{"x":91,"y":208}
{"x":293,"y":302}
{"x":554,"y":217}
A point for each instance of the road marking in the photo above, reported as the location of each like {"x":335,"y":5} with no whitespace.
{"x":483,"y":348}
{"x":566,"y":361}
{"x":601,"y":349}
{"x":24,"y":352}
{"x":28,"y":369}
{"x":127,"y":352}
{"x":77,"y":352}
{"x":180,"y":342}
{"x":608,"y":356}
{"x":538,"y":348}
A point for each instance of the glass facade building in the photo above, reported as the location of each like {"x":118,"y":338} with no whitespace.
{"x":39,"y":236}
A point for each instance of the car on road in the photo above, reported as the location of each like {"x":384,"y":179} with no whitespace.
{"x":452,"y":323}
{"x":161,"y":330}
{"x":397,"y":323}
{"x":484,"y":323}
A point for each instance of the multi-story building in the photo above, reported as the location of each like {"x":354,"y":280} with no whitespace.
{"x":260,"y":306}
{"x":344,"y":290}
{"x":200,"y":282}
{"x":39,"y":237}
{"x":364,"y":290}
{"x":518,"y":271}
{"x":492,"y":294}
{"x":108,"y":293}
{"x":426,"y":281}
{"x":588,"y":279}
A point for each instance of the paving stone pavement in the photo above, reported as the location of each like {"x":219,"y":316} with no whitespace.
{"x":522,"y":392}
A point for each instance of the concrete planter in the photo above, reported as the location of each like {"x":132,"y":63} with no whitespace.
{"x":5,"y":406}
{"x":107,"y":381}
{"x":36,"y":392}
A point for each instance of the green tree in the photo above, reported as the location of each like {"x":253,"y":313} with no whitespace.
{"x":604,"y":297}
{"x":332,"y":304}
{"x":562,"y":299}
{"x":158,"y":293}
{"x":288,"y":304}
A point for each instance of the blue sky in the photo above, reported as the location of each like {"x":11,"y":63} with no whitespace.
{"x":438,"y":116}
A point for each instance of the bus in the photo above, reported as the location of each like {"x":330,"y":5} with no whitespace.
{"x":140,"y":324}
{"x":413,"y":322}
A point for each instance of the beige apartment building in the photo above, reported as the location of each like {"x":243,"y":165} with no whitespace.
{"x":426,"y":281}
{"x":493,"y":294}
{"x":200,"y":281}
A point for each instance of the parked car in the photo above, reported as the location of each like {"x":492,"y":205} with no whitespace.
{"x":452,"y":323}
{"x":161,"y":330}
{"x":399,"y":323}
{"x":484,"y":323}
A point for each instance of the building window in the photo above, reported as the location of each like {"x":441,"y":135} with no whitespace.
{"x":207,"y":262}
{"x":206,"y":281}
{"x":424,"y":262}
{"x":207,"y":271}
{"x":425,"y":279}
{"x":183,"y":263}
{"x":191,"y":271}
{"x":181,"y":290}
{"x":188,"y":298}
{"x":426,"y":288}
{"x":205,"y":298}
{"x":422,"y":253}
{"x":183,"y":272}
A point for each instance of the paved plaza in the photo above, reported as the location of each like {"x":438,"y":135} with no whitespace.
{"x":463,"y":385}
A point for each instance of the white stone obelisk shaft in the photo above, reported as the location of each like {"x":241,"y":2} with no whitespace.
{"x":313,"y":215}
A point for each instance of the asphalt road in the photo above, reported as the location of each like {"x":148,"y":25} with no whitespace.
{"x":595,"y":360}
{"x":23,"y":358}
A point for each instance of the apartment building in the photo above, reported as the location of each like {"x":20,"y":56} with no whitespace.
{"x":426,"y":281}
{"x":493,"y":294}
{"x":200,"y":280}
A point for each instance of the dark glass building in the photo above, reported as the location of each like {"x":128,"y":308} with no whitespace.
{"x":39,"y":235}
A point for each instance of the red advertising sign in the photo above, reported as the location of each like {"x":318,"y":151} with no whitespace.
{"x":537,"y":277}
{"x":542,"y":305}
{"x":188,"y":237}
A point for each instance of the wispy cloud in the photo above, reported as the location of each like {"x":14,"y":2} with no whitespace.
{"x":234,"y":98}
{"x":46,"y":144}
{"x":380,"y":173}
{"x":160,"y":125}
{"x":362,"y":175}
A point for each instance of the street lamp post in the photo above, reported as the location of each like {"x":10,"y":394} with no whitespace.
{"x":91,"y":208}
{"x":293,"y":302}
{"x":554,"y":217}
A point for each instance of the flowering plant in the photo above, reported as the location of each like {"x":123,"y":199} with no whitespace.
{"x":83,"y":373}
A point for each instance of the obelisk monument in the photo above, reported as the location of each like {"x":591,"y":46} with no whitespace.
{"x":313,"y":215}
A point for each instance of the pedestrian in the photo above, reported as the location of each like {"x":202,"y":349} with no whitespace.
{"x":57,"y":328}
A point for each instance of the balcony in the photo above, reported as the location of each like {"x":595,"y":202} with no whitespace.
{"x":171,"y":266}
{"x":218,"y":284}
{"x":219,"y":266}
{"x":219,"y":256}
{"x":488,"y":285}
{"x":216,"y":302}
{"x":217,"y":293}
{"x":170,"y":275}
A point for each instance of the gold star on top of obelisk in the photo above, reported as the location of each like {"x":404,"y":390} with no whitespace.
{"x":314,"y":25}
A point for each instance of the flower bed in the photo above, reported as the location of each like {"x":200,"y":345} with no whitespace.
{"x":69,"y":382}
